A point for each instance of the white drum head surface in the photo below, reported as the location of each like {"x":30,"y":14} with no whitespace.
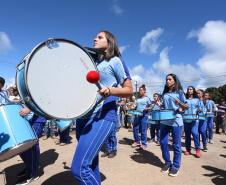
{"x":56,"y":80}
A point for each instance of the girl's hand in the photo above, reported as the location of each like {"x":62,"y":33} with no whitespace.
{"x":24,"y":111}
{"x":200,"y":110}
{"x":208,"y":110}
{"x":105,"y":92}
{"x":180,"y":110}
{"x":177,"y":101}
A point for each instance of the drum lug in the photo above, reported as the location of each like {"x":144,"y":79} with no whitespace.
{"x":27,"y":99}
{"x":51,"y":43}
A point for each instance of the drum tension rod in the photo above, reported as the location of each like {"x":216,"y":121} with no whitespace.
{"x":51,"y":43}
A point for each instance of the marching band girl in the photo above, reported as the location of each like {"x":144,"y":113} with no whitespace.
{"x":93,"y":129}
{"x":142,"y":103}
{"x":156,"y":126}
{"x":191,"y":126}
{"x":210,"y":108}
{"x":202,"y":118}
{"x":173,"y":98}
{"x":2,"y":83}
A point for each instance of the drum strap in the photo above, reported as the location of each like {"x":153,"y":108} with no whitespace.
{"x":5,"y":97}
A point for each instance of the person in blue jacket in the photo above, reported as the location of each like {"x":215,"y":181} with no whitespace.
{"x":155,"y":127}
{"x":141,"y":118}
{"x":191,"y":125}
{"x":173,"y":99}
{"x":96,"y":126}
{"x":210,"y":108}
{"x":202,"y":118}
{"x":2,"y":83}
{"x":31,"y":157}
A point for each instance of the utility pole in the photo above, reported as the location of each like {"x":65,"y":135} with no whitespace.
{"x":136,"y":89}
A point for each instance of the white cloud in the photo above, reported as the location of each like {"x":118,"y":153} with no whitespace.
{"x":116,"y":8}
{"x":152,"y":81}
{"x":123,"y":48}
{"x":5,"y":44}
{"x":137,"y":70}
{"x":212,"y":38}
{"x":149,"y":43}
{"x":185,"y":73}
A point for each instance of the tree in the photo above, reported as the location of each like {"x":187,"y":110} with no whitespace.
{"x":217,"y":93}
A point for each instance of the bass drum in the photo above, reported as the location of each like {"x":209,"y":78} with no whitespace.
{"x":51,"y":80}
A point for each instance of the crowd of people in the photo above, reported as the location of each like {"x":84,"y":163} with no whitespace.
{"x":101,"y":124}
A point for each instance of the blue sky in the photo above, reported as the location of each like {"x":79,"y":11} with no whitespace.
{"x":156,"y":37}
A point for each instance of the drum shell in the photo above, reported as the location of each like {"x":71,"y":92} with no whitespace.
{"x":21,"y":86}
{"x":151,"y":121}
{"x":63,"y":124}
{"x":202,"y":118}
{"x":133,"y":112}
{"x":210,"y":114}
{"x":16,"y":132}
{"x":190,"y":117}
{"x":159,"y":115}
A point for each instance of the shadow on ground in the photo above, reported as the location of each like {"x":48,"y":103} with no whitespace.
{"x":218,"y":176}
{"x":65,"y":178}
{"x":142,"y":156}
{"x":46,"y":158}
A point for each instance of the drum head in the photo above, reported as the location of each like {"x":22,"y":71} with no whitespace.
{"x":55,"y":79}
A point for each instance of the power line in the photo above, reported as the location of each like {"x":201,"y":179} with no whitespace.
{"x":7,"y":63}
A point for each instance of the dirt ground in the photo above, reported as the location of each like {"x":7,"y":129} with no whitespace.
{"x":131,"y":166}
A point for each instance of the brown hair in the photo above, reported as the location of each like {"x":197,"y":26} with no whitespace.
{"x":203,"y":97}
{"x":112,"y":49}
{"x":143,"y":87}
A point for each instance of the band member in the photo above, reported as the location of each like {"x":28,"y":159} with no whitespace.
{"x":111,"y":146}
{"x":202,"y":122}
{"x":221,"y":117}
{"x":140,"y":120}
{"x":155,"y":127}
{"x":64,"y":137}
{"x":2,"y":83}
{"x":96,"y":126}
{"x":191,"y":126}
{"x":130,"y":118}
{"x":31,"y":157}
{"x":173,"y":98}
{"x":210,"y":108}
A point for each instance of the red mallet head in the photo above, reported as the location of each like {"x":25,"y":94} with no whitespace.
{"x":93,"y":77}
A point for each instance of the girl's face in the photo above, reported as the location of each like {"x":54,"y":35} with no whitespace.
{"x":199,"y":93}
{"x":142,"y":91}
{"x":170,"y":81}
{"x":190,"y":91}
{"x":156,"y":97}
{"x":100,"y":42}
{"x":207,"y":96}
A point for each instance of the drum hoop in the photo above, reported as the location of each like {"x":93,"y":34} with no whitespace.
{"x":164,"y":119}
{"x":16,"y":146}
{"x":26,"y":71}
{"x":163,"y":110}
{"x":190,"y":114}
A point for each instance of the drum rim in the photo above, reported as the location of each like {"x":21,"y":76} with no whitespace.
{"x":17,"y":146}
{"x":30,"y":55}
{"x":163,"y":110}
{"x":163,"y":119}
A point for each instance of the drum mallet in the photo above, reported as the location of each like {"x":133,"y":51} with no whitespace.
{"x":93,"y":77}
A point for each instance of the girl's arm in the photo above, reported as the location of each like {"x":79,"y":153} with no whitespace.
{"x":125,"y":91}
{"x":183,"y":106}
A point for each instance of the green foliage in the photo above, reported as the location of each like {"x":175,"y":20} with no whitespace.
{"x":217,"y":93}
